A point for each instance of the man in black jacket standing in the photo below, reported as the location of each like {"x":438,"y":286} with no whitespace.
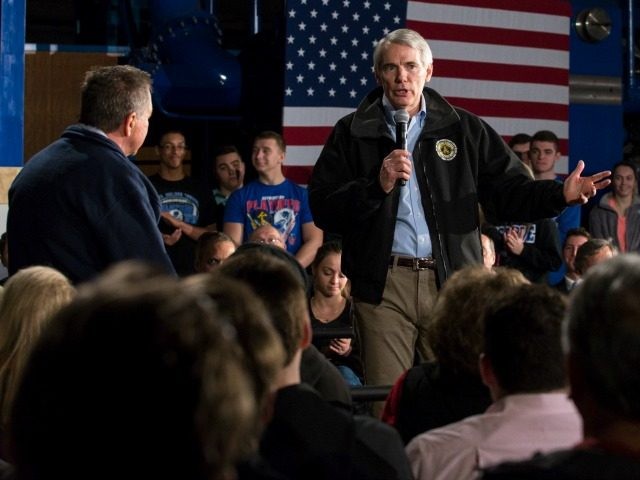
{"x":409,"y":217}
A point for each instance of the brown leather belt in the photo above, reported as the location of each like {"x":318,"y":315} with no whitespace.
{"x":420,"y":263}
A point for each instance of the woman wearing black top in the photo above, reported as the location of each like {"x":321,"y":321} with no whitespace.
{"x":331,"y":313}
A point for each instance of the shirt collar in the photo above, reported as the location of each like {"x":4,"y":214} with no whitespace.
{"x":389,"y":112}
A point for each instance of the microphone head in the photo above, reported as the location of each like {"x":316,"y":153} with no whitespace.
{"x":401,"y":116}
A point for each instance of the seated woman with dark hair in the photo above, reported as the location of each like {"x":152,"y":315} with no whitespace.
{"x":331,"y":313}
{"x":450,"y":388}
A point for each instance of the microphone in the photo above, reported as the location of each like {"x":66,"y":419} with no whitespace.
{"x":401,"y":118}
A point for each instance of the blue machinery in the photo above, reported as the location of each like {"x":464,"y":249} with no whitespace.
{"x":195,"y":78}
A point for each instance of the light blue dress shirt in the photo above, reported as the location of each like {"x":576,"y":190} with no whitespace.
{"x":411,"y":237}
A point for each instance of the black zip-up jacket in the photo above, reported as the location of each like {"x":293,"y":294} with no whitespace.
{"x":460,"y":162}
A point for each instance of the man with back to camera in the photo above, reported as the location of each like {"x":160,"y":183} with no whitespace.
{"x":275,"y":200}
{"x":603,"y":334}
{"x":523,"y":367}
{"x":80,"y":204}
{"x":187,"y":209}
{"x":400,"y":242}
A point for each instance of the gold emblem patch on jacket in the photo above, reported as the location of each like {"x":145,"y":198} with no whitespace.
{"x":446,"y":149}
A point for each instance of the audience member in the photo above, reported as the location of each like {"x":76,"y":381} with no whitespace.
{"x":228,"y":170}
{"x":523,"y":367}
{"x":212,"y":248}
{"x":449,"y":389}
{"x":306,"y":436}
{"x":263,"y":353}
{"x":30,"y":298}
{"x":544,"y":155}
{"x":316,"y":370}
{"x":134,"y":379}
{"x":331,"y":311}
{"x":617,"y":215}
{"x":520,"y":144}
{"x":261,"y":345}
{"x":592,"y":252}
{"x":575,"y":238}
{"x":187,"y":210}
{"x":275,"y":200}
{"x":603,"y":358}
{"x":267,"y":234}
{"x":532,"y":248}
{"x":80,"y":204}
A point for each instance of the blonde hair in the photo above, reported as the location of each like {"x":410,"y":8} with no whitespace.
{"x":30,"y":298}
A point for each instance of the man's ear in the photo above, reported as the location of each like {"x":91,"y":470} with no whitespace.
{"x":429,"y":73}
{"x":129,"y":123}
{"x":486,"y":371}
{"x":307,"y":335}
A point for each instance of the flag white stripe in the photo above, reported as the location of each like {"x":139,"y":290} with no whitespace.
{"x":505,"y":54}
{"x":505,"y":91}
{"x":313,"y":116}
{"x":306,"y":156}
{"x":488,"y":17}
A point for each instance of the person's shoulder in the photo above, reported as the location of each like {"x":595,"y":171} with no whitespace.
{"x":461,"y":432}
{"x":318,"y":372}
{"x":385,"y":447}
{"x":243,"y":191}
{"x":298,"y":189}
{"x":571,"y":464}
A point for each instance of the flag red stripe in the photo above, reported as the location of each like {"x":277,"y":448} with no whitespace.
{"x":501,"y":72}
{"x":547,"y":7}
{"x":490,"y":35}
{"x":311,"y":135}
{"x":300,"y":174}
{"x":512,"y":109}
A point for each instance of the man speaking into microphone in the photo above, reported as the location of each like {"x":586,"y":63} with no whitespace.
{"x":400,"y":243}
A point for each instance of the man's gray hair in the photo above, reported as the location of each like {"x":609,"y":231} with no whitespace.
{"x":604,"y":333}
{"x":403,"y":36}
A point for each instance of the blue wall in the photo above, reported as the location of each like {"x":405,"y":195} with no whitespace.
{"x":596,"y":132}
{"x":12,"y":34}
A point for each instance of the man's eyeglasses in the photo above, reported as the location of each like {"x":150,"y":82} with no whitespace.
{"x":270,"y":241}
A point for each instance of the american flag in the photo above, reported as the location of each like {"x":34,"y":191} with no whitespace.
{"x":506,"y":61}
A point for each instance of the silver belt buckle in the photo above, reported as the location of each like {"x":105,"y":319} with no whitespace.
{"x":416,"y":263}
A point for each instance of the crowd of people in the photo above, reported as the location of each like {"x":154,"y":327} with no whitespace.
{"x":153,"y":328}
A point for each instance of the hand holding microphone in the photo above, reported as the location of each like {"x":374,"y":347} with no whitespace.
{"x":398,"y":161}
{"x":401,"y":118}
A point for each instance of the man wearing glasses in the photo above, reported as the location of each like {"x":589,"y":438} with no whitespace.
{"x":187,"y":210}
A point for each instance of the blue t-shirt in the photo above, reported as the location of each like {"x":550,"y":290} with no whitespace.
{"x":285,"y":206}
